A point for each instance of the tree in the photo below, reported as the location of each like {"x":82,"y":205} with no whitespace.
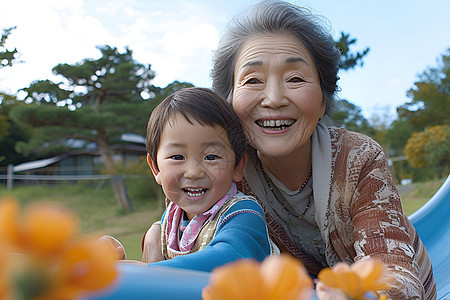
{"x":7,"y":57}
{"x":430,"y":148}
{"x":398,"y":134}
{"x":11,"y":132}
{"x":349,"y":60}
{"x":345,"y":113}
{"x":348,"y":115}
{"x":96,"y":101}
{"x":430,"y":104}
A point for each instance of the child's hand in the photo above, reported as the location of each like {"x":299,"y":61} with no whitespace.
{"x":152,"y":244}
{"x":120,"y":250}
{"x":324,"y":292}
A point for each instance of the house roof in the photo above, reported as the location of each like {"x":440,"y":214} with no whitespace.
{"x":37,"y":163}
{"x":133,"y":138}
{"x":128,"y":137}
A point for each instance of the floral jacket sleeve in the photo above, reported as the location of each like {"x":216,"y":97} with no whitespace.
{"x":365,"y":217}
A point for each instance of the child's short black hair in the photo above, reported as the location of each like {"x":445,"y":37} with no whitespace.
{"x":206,"y":107}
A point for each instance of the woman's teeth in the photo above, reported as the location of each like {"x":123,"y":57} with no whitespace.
{"x":194,"y":192}
{"x":275,"y":124}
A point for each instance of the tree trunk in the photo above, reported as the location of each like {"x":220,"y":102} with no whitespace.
{"x":120,"y":191}
{"x":119,"y":188}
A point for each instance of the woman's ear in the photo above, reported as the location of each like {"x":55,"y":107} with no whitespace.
{"x":238,"y":173}
{"x":323,"y":109}
{"x":154,"y":169}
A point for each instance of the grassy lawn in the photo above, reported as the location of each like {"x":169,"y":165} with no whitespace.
{"x":421,"y":193}
{"x":99,"y":212}
{"x":97,"y":209}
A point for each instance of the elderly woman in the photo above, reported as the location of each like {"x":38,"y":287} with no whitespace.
{"x":327,"y":193}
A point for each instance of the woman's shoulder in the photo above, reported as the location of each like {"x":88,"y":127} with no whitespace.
{"x":351,"y":139}
{"x":354,"y":148}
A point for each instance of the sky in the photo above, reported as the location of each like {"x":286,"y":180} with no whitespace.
{"x":178,"y":38}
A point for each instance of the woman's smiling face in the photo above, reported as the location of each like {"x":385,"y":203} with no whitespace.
{"x":277,"y":94}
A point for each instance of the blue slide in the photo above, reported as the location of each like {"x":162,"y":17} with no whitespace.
{"x":155,"y":283}
{"x":432,"y":222}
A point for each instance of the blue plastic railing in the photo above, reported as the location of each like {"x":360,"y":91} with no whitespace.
{"x":432,"y":222}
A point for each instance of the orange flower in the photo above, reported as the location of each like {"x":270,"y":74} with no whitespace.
{"x":285,"y":278}
{"x":278,"y":277}
{"x":49,"y":227}
{"x":354,"y":281}
{"x":239,"y":280}
{"x":43,"y":229}
{"x":9,"y":229}
{"x":84,"y":266}
{"x":49,"y":262}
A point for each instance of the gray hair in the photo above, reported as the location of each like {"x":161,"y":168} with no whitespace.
{"x":275,"y":16}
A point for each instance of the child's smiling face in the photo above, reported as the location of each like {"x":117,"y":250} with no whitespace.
{"x":196,"y":164}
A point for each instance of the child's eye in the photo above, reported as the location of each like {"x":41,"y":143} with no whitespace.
{"x":211,"y":157}
{"x":176,"y":157}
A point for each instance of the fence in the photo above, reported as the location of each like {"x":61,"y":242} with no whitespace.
{"x":52,"y":175}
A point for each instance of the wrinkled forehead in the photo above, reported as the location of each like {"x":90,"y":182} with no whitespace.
{"x":257,"y":51}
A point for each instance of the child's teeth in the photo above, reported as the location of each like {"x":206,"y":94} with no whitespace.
{"x":194,"y":192}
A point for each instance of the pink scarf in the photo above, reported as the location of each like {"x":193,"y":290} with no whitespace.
{"x":192,"y":230}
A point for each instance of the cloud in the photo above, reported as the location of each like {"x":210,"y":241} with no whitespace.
{"x":48,"y":33}
{"x":176,"y":38}
{"x":394,"y":81}
{"x":177,"y":42}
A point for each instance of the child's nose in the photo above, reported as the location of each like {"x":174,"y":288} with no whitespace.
{"x":194,"y":170}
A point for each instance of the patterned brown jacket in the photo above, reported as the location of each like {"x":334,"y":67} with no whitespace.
{"x":360,"y":215}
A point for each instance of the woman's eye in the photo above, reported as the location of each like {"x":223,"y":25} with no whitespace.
{"x":296,"y":79}
{"x":211,"y":157}
{"x":176,"y":157}
{"x":252,"y":81}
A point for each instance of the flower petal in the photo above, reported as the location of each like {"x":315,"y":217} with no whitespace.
{"x":237,"y":280}
{"x":49,"y":227}
{"x":368,"y":269}
{"x":284,"y":277}
{"x":350,"y":284}
{"x":341,"y":267}
{"x":329,"y":278}
{"x":87,"y":265}
{"x":372,"y":273}
{"x":9,"y":228}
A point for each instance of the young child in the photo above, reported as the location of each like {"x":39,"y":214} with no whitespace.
{"x":196,"y":151}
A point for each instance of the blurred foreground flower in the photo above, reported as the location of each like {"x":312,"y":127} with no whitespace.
{"x":362,"y":280}
{"x":277,"y":277}
{"x":42,"y":258}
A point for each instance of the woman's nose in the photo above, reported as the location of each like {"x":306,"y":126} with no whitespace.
{"x":274,"y":96}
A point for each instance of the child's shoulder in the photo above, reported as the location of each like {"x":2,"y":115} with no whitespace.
{"x":243,"y":200}
{"x":242,"y":204}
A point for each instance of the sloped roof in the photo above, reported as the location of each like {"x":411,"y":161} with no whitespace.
{"x":127,"y":137}
{"x":37,"y":163}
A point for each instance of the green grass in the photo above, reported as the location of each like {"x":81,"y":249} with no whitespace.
{"x":97,"y":209}
{"x":99,"y":212}
{"x":419,"y":195}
